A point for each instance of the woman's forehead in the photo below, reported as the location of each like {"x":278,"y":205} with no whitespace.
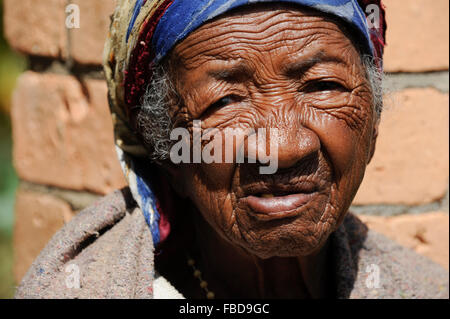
{"x":282,"y":33}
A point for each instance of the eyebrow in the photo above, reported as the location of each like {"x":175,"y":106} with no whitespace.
{"x":241,"y":71}
{"x":237,"y":73}
{"x":298,"y":68}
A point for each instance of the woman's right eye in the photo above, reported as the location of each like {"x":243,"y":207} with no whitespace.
{"x":229,"y":99}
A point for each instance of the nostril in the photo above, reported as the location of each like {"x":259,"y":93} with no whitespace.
{"x":295,"y":146}
{"x":281,"y":148}
{"x":287,"y":161}
{"x":307,"y":165}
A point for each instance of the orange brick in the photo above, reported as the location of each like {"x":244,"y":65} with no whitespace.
{"x":417,"y":35}
{"x":88,"y":41}
{"x":36,"y":27}
{"x":410,"y":165}
{"x":38,"y":217}
{"x":63,"y":134}
{"x":426,"y":233}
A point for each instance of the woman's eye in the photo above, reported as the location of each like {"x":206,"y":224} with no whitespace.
{"x":224,"y":101}
{"x":320,"y":86}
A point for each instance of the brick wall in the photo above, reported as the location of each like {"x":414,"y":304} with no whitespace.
{"x":63,"y":142}
{"x":62,"y":131}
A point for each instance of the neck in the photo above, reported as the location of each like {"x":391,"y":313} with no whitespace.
{"x":232,"y":272}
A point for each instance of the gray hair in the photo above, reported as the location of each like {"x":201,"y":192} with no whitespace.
{"x":155,"y":124}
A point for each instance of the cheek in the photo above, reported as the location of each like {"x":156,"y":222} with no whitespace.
{"x":208,"y":186}
{"x":339,"y":142}
{"x":347,"y":148}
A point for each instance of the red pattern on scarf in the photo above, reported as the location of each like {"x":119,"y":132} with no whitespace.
{"x":140,"y":66}
{"x":378,"y":37}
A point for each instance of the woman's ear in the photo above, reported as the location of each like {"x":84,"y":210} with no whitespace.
{"x":374,"y":140}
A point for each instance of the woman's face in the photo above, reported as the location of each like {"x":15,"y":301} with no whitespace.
{"x":282,"y":68}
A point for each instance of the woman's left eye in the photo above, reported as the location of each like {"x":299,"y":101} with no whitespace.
{"x":319,"y":86}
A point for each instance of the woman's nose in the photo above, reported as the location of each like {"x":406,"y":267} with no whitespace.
{"x":295,"y":144}
{"x":288,"y":144}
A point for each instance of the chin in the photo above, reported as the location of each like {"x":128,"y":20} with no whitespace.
{"x":285,"y":238}
{"x":287,"y":245}
{"x":300,"y":232}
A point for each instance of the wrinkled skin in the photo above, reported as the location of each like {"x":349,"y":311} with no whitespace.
{"x":296,"y":70}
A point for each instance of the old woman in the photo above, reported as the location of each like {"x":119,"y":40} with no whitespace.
{"x":298,"y":85}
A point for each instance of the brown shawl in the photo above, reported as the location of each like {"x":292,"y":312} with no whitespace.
{"x":111,"y":244}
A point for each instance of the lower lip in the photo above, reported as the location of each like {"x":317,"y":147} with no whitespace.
{"x":278,"y":207}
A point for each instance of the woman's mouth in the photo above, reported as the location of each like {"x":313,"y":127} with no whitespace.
{"x":269,"y":206}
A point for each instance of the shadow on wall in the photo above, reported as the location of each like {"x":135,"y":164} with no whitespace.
{"x":11,"y":66}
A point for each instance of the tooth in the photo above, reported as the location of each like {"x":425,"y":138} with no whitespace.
{"x":267,"y":195}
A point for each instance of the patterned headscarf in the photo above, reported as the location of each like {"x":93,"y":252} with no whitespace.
{"x":144,"y":31}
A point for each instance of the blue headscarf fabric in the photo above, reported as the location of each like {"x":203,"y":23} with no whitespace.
{"x":183,"y":17}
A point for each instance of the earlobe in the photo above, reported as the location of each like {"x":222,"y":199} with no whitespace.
{"x":374,"y":140}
